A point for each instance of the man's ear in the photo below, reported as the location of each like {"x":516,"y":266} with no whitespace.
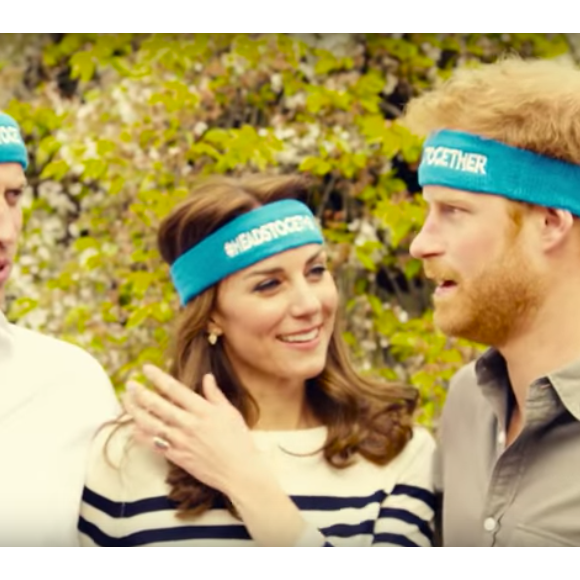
{"x":555,"y":227}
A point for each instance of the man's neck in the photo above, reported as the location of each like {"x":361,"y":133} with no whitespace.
{"x":550,"y":342}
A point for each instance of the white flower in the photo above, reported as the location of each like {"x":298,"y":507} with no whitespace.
{"x":86,"y":255}
{"x":276,"y":82}
{"x":295,"y":101}
{"x":200,"y":128}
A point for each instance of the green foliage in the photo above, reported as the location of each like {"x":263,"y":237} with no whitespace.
{"x":148,"y":113}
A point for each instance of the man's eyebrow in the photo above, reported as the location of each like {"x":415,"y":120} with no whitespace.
{"x":274,"y":271}
{"x":447,"y":199}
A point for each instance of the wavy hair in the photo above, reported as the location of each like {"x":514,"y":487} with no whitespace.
{"x":363,"y":416}
{"x":531,"y":104}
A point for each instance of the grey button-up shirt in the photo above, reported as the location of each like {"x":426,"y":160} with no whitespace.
{"x":527,"y":494}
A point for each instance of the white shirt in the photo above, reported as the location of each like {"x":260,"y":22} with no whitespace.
{"x":53,"y":398}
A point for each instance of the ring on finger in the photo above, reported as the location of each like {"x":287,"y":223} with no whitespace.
{"x":161,"y":443}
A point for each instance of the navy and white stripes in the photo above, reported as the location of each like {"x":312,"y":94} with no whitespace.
{"x":362,"y":505}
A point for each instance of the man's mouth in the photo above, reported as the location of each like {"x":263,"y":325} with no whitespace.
{"x":5,"y":266}
{"x":444,"y":286}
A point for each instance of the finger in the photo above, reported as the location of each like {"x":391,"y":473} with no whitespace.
{"x":157,"y":443}
{"x":212,"y":392}
{"x":175,"y":391}
{"x":145,"y":421}
{"x":155,"y":404}
{"x":141,"y":436}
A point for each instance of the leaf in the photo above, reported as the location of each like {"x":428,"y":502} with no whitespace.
{"x":452,"y":356}
{"x":364,"y":258}
{"x":82,"y":66}
{"x":315,"y":165}
{"x":105,"y":147}
{"x":370,"y":84}
{"x":360,"y":286}
{"x":317,"y":100}
{"x":137,"y":317}
{"x":412,"y":268}
{"x":376,"y":304}
{"x":198,"y":150}
{"x":46,"y":148}
{"x":218,"y":136}
{"x":116,"y":185}
{"x":20,"y":307}
{"x":86,"y":243}
{"x":140,"y":282}
{"x":56,"y":170}
{"x":94,"y":168}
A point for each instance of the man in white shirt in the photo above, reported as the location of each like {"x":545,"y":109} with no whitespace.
{"x":53,"y":398}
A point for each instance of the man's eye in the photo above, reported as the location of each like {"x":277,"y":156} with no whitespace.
{"x":451,"y":209}
{"x":13,"y":195}
{"x":318,"y":270}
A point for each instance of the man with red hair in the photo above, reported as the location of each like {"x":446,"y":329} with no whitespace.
{"x":500,"y":173}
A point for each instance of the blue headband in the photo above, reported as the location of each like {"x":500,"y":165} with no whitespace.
{"x":249,"y":238}
{"x":12,"y":148}
{"x":477,"y":164}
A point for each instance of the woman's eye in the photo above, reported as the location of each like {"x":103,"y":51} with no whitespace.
{"x":266,"y":285}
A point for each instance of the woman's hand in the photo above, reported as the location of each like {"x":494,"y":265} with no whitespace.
{"x":207,"y":437}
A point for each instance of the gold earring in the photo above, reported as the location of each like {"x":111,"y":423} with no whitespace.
{"x":212,"y":338}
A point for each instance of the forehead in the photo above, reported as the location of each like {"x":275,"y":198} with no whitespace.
{"x":293,"y":256}
{"x":12,"y":176}
{"x":287,"y":261}
{"x":434,"y":194}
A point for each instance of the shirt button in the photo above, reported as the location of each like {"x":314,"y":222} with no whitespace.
{"x":501,"y":438}
{"x":489,"y":525}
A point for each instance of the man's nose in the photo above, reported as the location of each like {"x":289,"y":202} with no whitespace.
{"x":427,"y":244}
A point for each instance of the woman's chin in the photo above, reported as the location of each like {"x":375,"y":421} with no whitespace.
{"x":305,"y":373}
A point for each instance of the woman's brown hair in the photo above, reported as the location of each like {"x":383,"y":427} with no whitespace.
{"x":372,"y":419}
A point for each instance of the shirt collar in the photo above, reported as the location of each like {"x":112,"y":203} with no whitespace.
{"x":566,"y":381}
{"x":5,"y":326}
{"x":6,"y":339}
{"x":493,"y":380}
{"x":490,"y":367}
{"x":543,"y":401}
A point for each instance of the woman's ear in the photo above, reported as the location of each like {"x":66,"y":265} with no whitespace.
{"x":214,"y":330}
{"x":214,"y":326}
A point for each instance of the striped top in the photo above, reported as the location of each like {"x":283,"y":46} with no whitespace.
{"x":362,"y":505}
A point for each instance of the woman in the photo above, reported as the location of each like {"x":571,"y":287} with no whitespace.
{"x":292,"y":448}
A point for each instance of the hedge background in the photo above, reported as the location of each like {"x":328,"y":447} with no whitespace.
{"x":118,"y":126}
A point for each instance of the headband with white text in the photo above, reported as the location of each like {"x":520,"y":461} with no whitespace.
{"x":249,"y":238}
{"x":12,"y":148}
{"x":477,"y":164}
